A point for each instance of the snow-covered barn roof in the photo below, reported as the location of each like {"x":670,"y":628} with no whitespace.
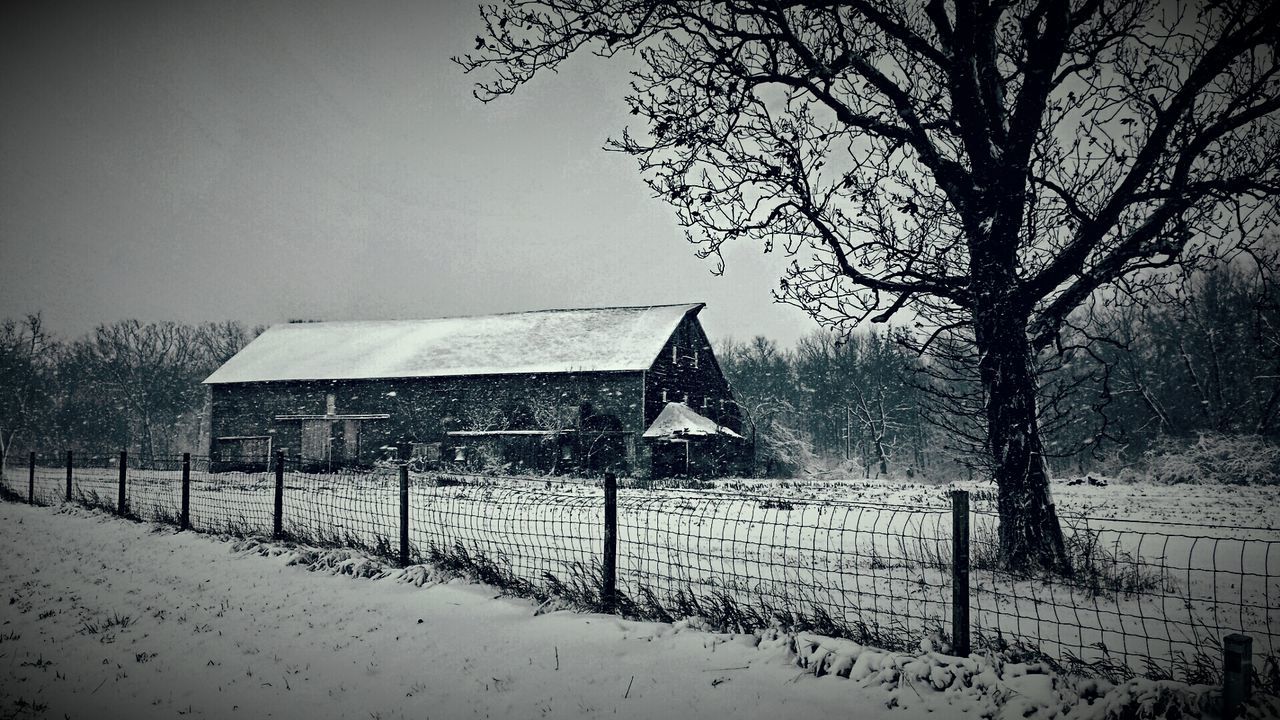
{"x":544,"y":341}
{"x":678,"y":420}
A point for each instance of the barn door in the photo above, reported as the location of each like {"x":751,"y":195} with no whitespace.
{"x":315,"y":440}
{"x":350,"y":441}
{"x":344,"y":449}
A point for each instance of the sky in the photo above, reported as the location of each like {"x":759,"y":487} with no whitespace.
{"x":265,"y":161}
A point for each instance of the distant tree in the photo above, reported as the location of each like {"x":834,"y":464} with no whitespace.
{"x":26,"y":354}
{"x":859,"y":386}
{"x":153,"y":372}
{"x":989,"y":166}
{"x":218,"y":341}
{"x":765,"y":387}
{"x":1207,"y":360}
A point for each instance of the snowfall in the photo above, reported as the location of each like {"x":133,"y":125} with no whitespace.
{"x":109,"y":618}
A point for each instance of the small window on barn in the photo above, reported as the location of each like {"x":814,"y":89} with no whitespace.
{"x":664,"y":396}
{"x":330,"y":404}
{"x":706,"y":403}
{"x":566,"y":452}
{"x":675,"y":354}
{"x":695,"y":358}
{"x":686,"y":399}
{"x":459,"y":453}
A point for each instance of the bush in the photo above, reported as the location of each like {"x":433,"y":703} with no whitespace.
{"x":1215,"y":458}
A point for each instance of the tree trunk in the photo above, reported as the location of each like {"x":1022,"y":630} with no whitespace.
{"x":1030,"y":535}
{"x":880,"y":455}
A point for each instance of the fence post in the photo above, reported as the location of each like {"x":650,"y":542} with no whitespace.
{"x":277,"y":529}
{"x":31,"y":480}
{"x":69,"y":466}
{"x":404,"y":515}
{"x":1237,"y":673}
{"x":184,"y":515}
{"x":121,"y":507}
{"x":609,"y":591}
{"x":960,"y":573}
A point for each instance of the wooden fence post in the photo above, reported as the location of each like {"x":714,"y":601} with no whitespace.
{"x":184,"y":515}
{"x":404,"y":515}
{"x":31,"y":480}
{"x":121,"y":504}
{"x":609,"y":591}
{"x":69,"y":466}
{"x":1237,"y":673}
{"x":277,"y":529}
{"x":960,"y":573}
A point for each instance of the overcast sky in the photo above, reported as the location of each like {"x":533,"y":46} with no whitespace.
{"x":267,"y":160}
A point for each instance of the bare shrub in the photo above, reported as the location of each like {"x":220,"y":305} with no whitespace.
{"x":1215,"y":458}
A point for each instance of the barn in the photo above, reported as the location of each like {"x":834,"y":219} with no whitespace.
{"x":631,"y":389}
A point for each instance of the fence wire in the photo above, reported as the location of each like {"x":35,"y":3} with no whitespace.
{"x":1147,"y":599}
{"x":530,"y":536}
{"x":346,"y":508}
{"x":878,"y":574}
{"x":1144,"y":598}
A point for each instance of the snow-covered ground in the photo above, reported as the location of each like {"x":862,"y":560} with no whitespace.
{"x":107,"y":618}
{"x":873,"y":556}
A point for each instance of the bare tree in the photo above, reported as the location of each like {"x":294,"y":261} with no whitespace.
{"x":25,"y":389}
{"x":153,"y":372}
{"x":989,"y":165}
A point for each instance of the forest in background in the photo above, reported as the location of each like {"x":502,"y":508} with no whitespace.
{"x":1181,"y":390}
{"x":126,"y":385}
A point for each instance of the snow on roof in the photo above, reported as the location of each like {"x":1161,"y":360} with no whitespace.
{"x":544,"y":341}
{"x":678,"y":420}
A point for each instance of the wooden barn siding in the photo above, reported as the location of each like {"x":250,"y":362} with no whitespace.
{"x":681,"y":377}
{"x":420,"y":407}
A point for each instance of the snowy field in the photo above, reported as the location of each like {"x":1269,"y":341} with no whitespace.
{"x":865,"y":559}
{"x":110,"y":619}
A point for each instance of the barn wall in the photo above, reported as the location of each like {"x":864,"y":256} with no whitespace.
{"x":685,"y":380}
{"x":422,"y":409}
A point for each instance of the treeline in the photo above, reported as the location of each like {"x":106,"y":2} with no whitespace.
{"x":1184,"y":386}
{"x":127,"y":385}
{"x":1182,"y":389}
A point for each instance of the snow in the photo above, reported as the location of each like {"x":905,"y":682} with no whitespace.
{"x":839,"y":546}
{"x":678,"y":420}
{"x":113,"y":619}
{"x":221,"y":634}
{"x":547,"y":341}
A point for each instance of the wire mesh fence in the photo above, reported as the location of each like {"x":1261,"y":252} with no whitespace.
{"x":525,"y":535}
{"x":345,"y":508}
{"x":873,"y":573}
{"x":1144,"y":598}
{"x":1148,"y":599}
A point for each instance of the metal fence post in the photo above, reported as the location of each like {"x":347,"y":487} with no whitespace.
{"x":609,"y":591}
{"x":277,"y":529}
{"x":404,"y":515}
{"x":960,"y":573}
{"x":1237,"y":673}
{"x":184,"y":515}
{"x":121,"y":505}
{"x":69,"y":466}
{"x":31,"y":480}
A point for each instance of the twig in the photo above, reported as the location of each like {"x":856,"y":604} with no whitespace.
{"x":628,"y":692}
